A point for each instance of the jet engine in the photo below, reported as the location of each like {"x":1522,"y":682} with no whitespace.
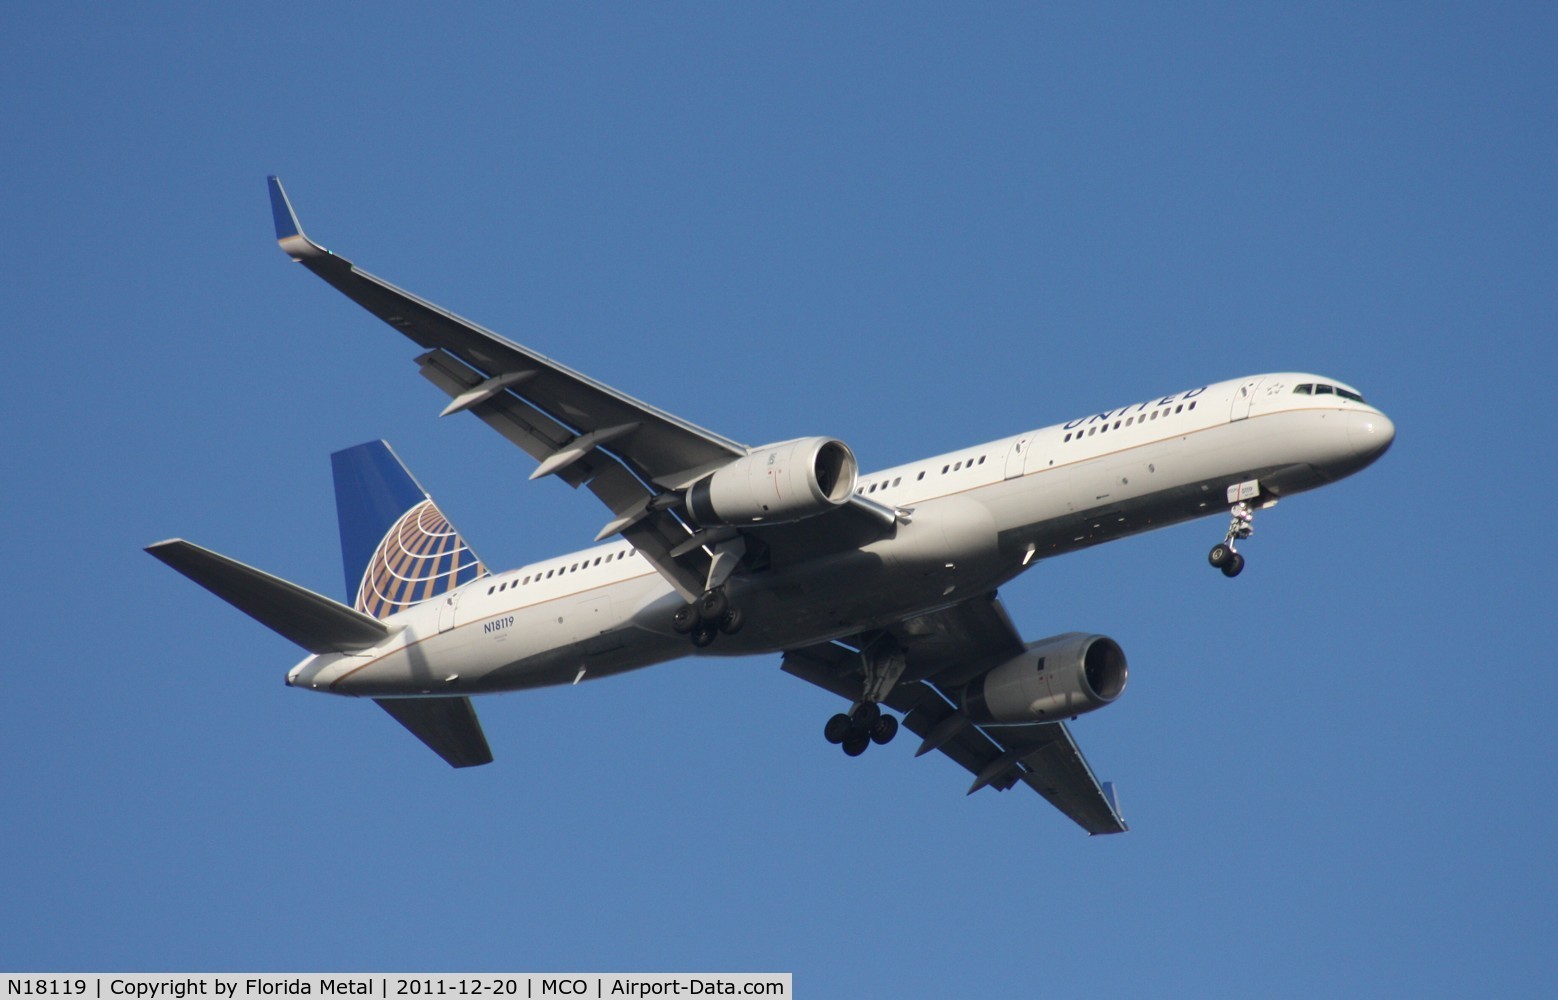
{"x":1054,"y":678}
{"x":779,"y":483}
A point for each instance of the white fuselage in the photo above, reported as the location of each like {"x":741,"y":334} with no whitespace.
{"x":975,"y":519}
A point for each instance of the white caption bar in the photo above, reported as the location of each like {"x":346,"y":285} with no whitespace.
{"x":391,"y":986}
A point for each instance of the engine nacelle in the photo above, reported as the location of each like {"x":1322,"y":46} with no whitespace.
{"x":1052,"y":679}
{"x":782,"y":482}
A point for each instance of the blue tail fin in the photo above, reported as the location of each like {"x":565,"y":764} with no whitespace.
{"x":398,"y":549}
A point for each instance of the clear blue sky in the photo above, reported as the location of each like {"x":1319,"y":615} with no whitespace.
{"x":914,"y":227}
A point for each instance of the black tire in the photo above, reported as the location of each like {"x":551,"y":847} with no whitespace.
{"x":703,"y":636}
{"x":712,"y":605}
{"x":837,"y":729}
{"x":1219,"y":555}
{"x":730,"y":622}
{"x":854,"y":746}
{"x":864,"y":715}
{"x":685,"y":619}
{"x":885,"y":729}
{"x":1234,"y":566}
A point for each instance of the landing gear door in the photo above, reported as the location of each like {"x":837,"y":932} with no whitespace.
{"x":1244,"y":398}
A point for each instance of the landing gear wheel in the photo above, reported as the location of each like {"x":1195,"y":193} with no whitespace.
{"x":685,"y":619}
{"x":855,"y":745}
{"x":730,"y":622}
{"x":837,"y":729}
{"x":1220,"y":555}
{"x":885,"y":729}
{"x":703,"y":636}
{"x":1234,"y":566}
{"x":713,"y":605}
{"x":865,"y":715}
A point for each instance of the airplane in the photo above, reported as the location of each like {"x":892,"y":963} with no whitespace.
{"x":881,"y":587}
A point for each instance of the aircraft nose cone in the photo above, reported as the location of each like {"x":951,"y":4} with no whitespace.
{"x":1370,"y":433}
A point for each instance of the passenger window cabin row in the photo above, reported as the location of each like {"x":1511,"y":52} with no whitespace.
{"x":1138,"y":418}
{"x":538,"y":576}
{"x":1104,"y":428}
{"x":1306,"y":389}
{"x":967,"y":463}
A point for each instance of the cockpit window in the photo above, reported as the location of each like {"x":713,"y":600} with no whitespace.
{"x":1321,"y":389}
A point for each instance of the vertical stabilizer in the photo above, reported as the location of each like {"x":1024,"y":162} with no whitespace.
{"x":398,"y":548}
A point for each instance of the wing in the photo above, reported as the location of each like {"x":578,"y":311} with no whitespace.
{"x":631,"y":455}
{"x":943,"y":650}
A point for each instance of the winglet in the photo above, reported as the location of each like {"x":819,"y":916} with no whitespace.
{"x":289,"y":232}
{"x":1114,"y":801}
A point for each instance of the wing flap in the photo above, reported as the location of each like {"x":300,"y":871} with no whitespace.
{"x":945,"y":648}
{"x":448,"y":726}
{"x":1044,"y":757}
{"x":311,"y":620}
{"x":1054,"y":767}
{"x":655,"y":533}
{"x":537,"y":434}
{"x":833,"y":668}
{"x":663,"y":447}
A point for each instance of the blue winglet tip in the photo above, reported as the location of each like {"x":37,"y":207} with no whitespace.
{"x":1113,"y":799}
{"x":281,"y":211}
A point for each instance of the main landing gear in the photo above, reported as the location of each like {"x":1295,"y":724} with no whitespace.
{"x":864,"y":725}
{"x":1241,"y":525}
{"x":707,"y":617}
{"x":882,"y":663}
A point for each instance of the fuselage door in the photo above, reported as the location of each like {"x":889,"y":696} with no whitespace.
{"x":450,"y":601}
{"x":1244,"y":398}
{"x":1014,"y":458}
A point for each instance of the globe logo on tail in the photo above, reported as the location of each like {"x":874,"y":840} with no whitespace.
{"x":419,"y":558}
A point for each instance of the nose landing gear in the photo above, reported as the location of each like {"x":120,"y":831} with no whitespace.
{"x":1241,"y":525}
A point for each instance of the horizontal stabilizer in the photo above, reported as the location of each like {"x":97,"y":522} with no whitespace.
{"x":448,"y":726}
{"x":311,"y":620}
